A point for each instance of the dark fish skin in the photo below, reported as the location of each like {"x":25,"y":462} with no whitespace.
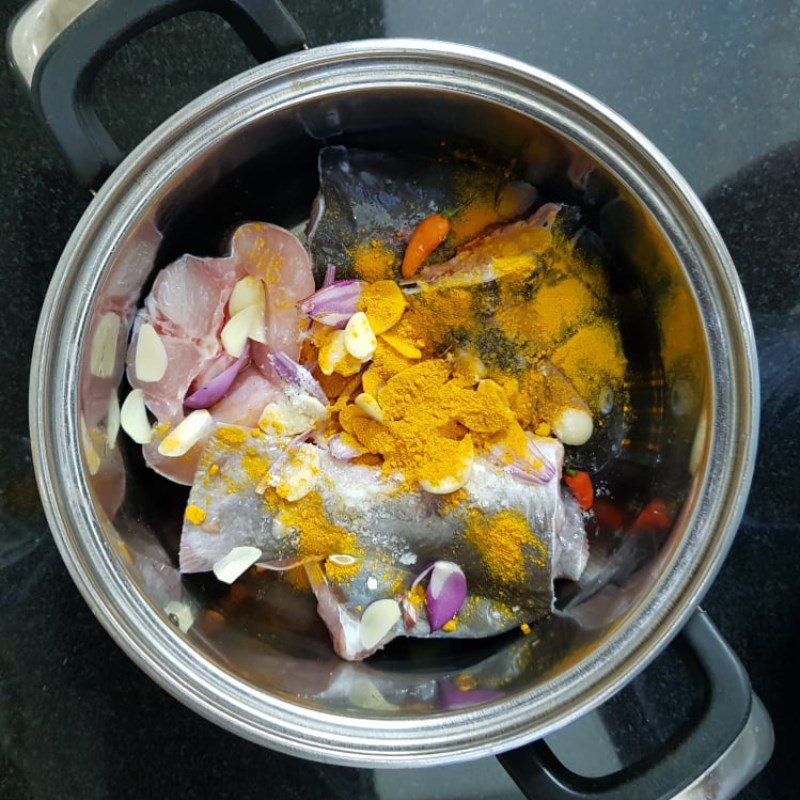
{"x":398,"y":535}
{"x":371,"y":196}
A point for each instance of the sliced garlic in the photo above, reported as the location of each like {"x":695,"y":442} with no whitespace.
{"x":369,"y":405}
{"x":133,"y":418}
{"x":246,"y":324}
{"x":359,"y":338}
{"x":236,"y":563}
{"x":682,"y":397}
{"x":332,"y":352}
{"x":300,"y":475}
{"x":184,"y":436}
{"x":573,"y":426}
{"x":446,"y":485}
{"x":112,"y":419}
{"x":258,"y":327}
{"x":180,"y":615}
{"x":456,"y":480}
{"x":151,"y":357}
{"x":342,"y":559}
{"x":280,"y":419}
{"x":249,"y":291}
{"x":377,"y":620}
{"x":605,"y":400}
{"x":103,"y":355}
{"x":308,"y":406}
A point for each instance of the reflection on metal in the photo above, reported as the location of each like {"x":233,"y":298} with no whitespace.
{"x":740,"y":763}
{"x":36,"y":28}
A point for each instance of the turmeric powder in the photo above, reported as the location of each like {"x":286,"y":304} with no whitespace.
{"x":427,"y":423}
{"x":317,"y":536}
{"x":374,"y":261}
{"x":519,"y":348}
{"x":505,"y":543}
{"x":383,"y":303}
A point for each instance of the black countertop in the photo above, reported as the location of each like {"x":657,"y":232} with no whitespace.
{"x":714,"y":84}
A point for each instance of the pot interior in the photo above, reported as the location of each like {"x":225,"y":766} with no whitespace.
{"x":650,"y":449}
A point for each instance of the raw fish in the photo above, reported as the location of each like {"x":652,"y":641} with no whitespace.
{"x":187,"y":309}
{"x":475,"y":261}
{"x":371,"y":197}
{"x":398,"y":534}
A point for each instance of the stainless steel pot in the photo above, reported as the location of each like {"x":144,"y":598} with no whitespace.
{"x":247,"y":149}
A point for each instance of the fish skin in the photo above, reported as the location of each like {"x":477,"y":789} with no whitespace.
{"x":389,"y":525}
{"x":477,"y":256}
{"x":371,"y":195}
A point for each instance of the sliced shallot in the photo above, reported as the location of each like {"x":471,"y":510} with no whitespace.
{"x":206,"y":396}
{"x":446,"y":592}
{"x":333,"y":305}
{"x":533,"y":468}
{"x":297,"y":376}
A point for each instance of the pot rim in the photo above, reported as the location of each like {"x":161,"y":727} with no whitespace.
{"x":142,"y":631}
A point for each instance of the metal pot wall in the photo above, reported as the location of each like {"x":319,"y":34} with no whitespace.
{"x":247,"y":149}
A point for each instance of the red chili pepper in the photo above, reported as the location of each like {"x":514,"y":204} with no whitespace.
{"x":580,"y":485}
{"x":655,"y":516}
{"x":428,"y":235}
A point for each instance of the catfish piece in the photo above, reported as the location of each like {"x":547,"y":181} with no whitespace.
{"x":373,"y":199}
{"x":393,"y":534}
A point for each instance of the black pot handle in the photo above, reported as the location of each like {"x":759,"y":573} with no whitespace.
{"x":58,"y":63}
{"x":540,"y":775}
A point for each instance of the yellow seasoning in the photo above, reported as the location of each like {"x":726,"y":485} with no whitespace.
{"x":525,"y":628}
{"x":449,"y":626}
{"x":256,"y":433}
{"x":195,"y":514}
{"x":213,"y":469}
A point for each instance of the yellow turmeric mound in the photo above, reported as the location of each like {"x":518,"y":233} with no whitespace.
{"x":504,"y":542}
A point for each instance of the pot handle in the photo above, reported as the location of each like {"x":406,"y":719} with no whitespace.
{"x":725,"y":748}
{"x":56,"y":49}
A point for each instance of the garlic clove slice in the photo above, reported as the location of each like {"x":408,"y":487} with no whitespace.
{"x":184,"y":436}
{"x":103,"y":354}
{"x":236,"y":563}
{"x":359,"y":338}
{"x":133,"y":418}
{"x":300,"y":475}
{"x":281,"y":419}
{"x":369,"y":405}
{"x":332,"y":352}
{"x":573,"y":426}
{"x":180,"y":614}
{"x":112,"y":419}
{"x":377,"y":620}
{"x":90,"y":454}
{"x":246,"y":324}
{"x":151,"y":356}
{"x":462,"y":470}
{"x":249,"y":291}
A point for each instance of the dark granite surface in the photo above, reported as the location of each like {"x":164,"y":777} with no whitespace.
{"x":715,"y":86}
